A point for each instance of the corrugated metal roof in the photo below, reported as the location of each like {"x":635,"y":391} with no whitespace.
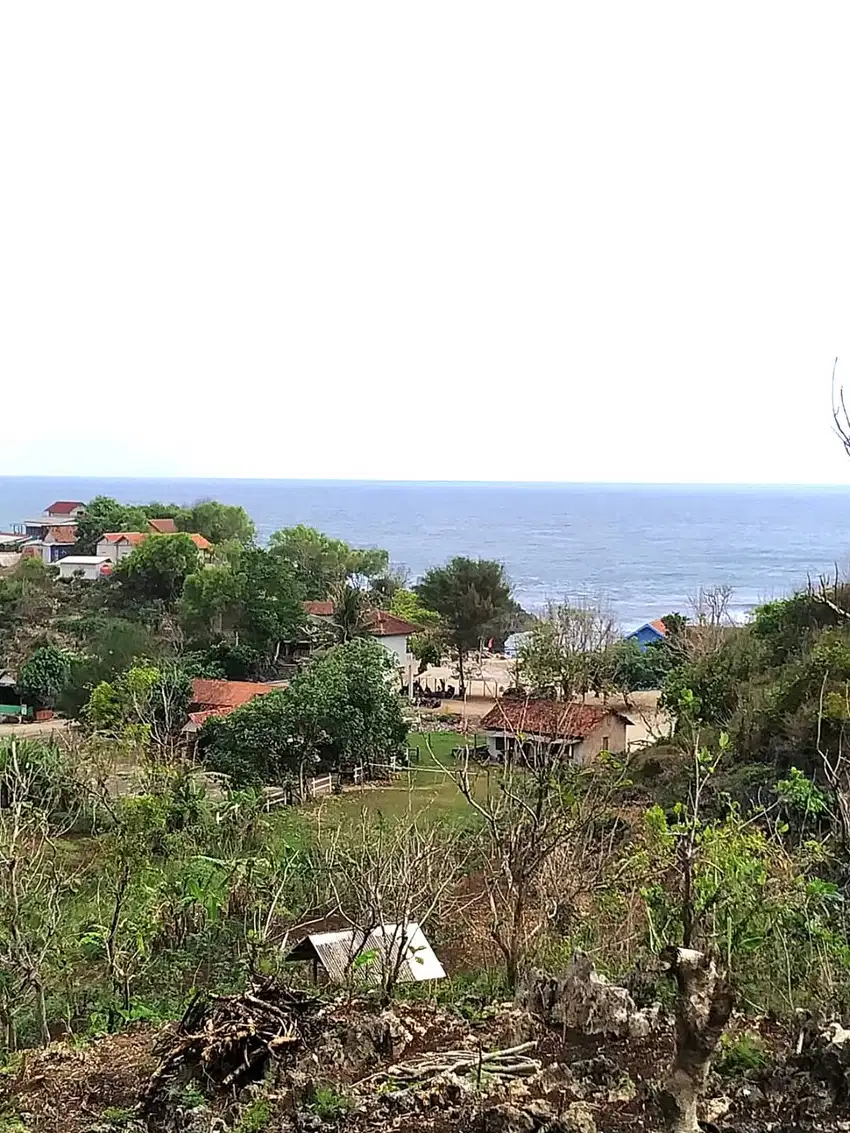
{"x":368,"y":953}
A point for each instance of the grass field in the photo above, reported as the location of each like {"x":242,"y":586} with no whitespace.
{"x":427,"y":788}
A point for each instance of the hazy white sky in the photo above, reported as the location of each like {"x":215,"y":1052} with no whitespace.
{"x":449,"y":240}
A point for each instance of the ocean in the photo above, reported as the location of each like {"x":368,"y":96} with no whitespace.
{"x":643,"y":550}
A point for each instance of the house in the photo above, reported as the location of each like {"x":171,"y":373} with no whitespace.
{"x":163,"y":526}
{"x":58,"y":542}
{"x":88,"y":567}
{"x":219,"y":698}
{"x":649,"y":633}
{"x":392,"y":632}
{"x":11,"y":707}
{"x":117,"y":545}
{"x":65,"y":509}
{"x":578,"y":731}
{"x":364,"y":956}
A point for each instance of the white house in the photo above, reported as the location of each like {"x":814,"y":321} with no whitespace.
{"x":89,"y":567}
{"x":392,"y":632}
{"x":117,"y":545}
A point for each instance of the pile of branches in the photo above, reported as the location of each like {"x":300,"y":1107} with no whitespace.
{"x":513,"y":1062}
{"x":223,"y":1042}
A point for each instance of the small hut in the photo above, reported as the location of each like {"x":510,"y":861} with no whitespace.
{"x":365,"y":956}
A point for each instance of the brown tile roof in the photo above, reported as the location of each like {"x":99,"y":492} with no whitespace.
{"x":208,"y":695}
{"x":163,"y":526}
{"x":544,"y":718}
{"x":64,"y":507}
{"x":320,"y":608}
{"x":137,"y":537}
{"x":134,"y":538}
{"x":65,"y":534}
{"x":381,"y":624}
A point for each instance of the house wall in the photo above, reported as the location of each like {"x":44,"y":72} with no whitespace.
{"x":645,"y":636}
{"x":614,"y":728}
{"x":115,"y":552}
{"x":609,"y":735}
{"x":89,"y":571}
{"x":397,"y":648}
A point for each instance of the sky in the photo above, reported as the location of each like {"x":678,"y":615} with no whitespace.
{"x":559,"y":241}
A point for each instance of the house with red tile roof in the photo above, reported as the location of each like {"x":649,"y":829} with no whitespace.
{"x":165,"y":526}
{"x":392,"y":632}
{"x":117,"y":545}
{"x":219,"y":698}
{"x":66,"y":509}
{"x":575,"y":731}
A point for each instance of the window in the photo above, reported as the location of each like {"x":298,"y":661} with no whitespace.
{"x":605,"y":742}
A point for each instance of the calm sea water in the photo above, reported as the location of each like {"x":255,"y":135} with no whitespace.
{"x":642,"y":549}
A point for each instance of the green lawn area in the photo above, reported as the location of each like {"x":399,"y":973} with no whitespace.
{"x":426,"y":789}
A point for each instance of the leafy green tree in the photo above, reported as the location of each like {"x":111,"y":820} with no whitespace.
{"x":633,"y":668}
{"x":254,"y":599}
{"x":148,"y":704}
{"x":350,"y":611}
{"x":220,"y":523}
{"x":340,"y":711}
{"x":567,"y":651}
{"x":321,"y":562}
{"x":158,"y":568}
{"x":428,"y":646}
{"x":104,"y":647}
{"x":104,"y":514}
{"x":471,"y":596}
{"x":44,"y":676}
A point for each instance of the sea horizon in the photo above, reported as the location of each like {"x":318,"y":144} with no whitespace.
{"x":641,"y":549}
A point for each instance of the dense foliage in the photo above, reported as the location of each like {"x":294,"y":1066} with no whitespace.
{"x":340,"y":712}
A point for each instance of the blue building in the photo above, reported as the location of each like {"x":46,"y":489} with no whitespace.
{"x":650,"y":632}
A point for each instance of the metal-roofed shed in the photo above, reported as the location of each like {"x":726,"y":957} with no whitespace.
{"x":367,"y":955}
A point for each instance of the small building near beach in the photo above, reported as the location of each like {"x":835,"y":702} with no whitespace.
{"x":649,"y":633}
{"x":578,"y":732}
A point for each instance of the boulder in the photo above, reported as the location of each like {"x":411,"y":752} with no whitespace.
{"x":583,"y":1000}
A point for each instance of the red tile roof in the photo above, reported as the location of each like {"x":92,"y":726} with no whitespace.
{"x":64,"y":507}
{"x":65,"y":534}
{"x":137,"y":537}
{"x":208,"y":695}
{"x":378,"y":622}
{"x":381,"y":624}
{"x":163,"y":526}
{"x":319,"y":609}
{"x":134,"y":538}
{"x":544,"y":718}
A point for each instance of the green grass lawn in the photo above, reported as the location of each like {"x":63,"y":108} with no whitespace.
{"x":426,"y":789}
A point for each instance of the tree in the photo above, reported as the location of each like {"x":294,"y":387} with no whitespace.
{"x":158,"y":568}
{"x":470,"y":595}
{"x":537,"y":809}
{"x":567,"y":651}
{"x":104,"y":514}
{"x":44,"y":677}
{"x":321,"y":562}
{"x":148,"y":704}
{"x":340,"y":712}
{"x":252,"y":599}
{"x":220,"y":523}
{"x":350,"y":610}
